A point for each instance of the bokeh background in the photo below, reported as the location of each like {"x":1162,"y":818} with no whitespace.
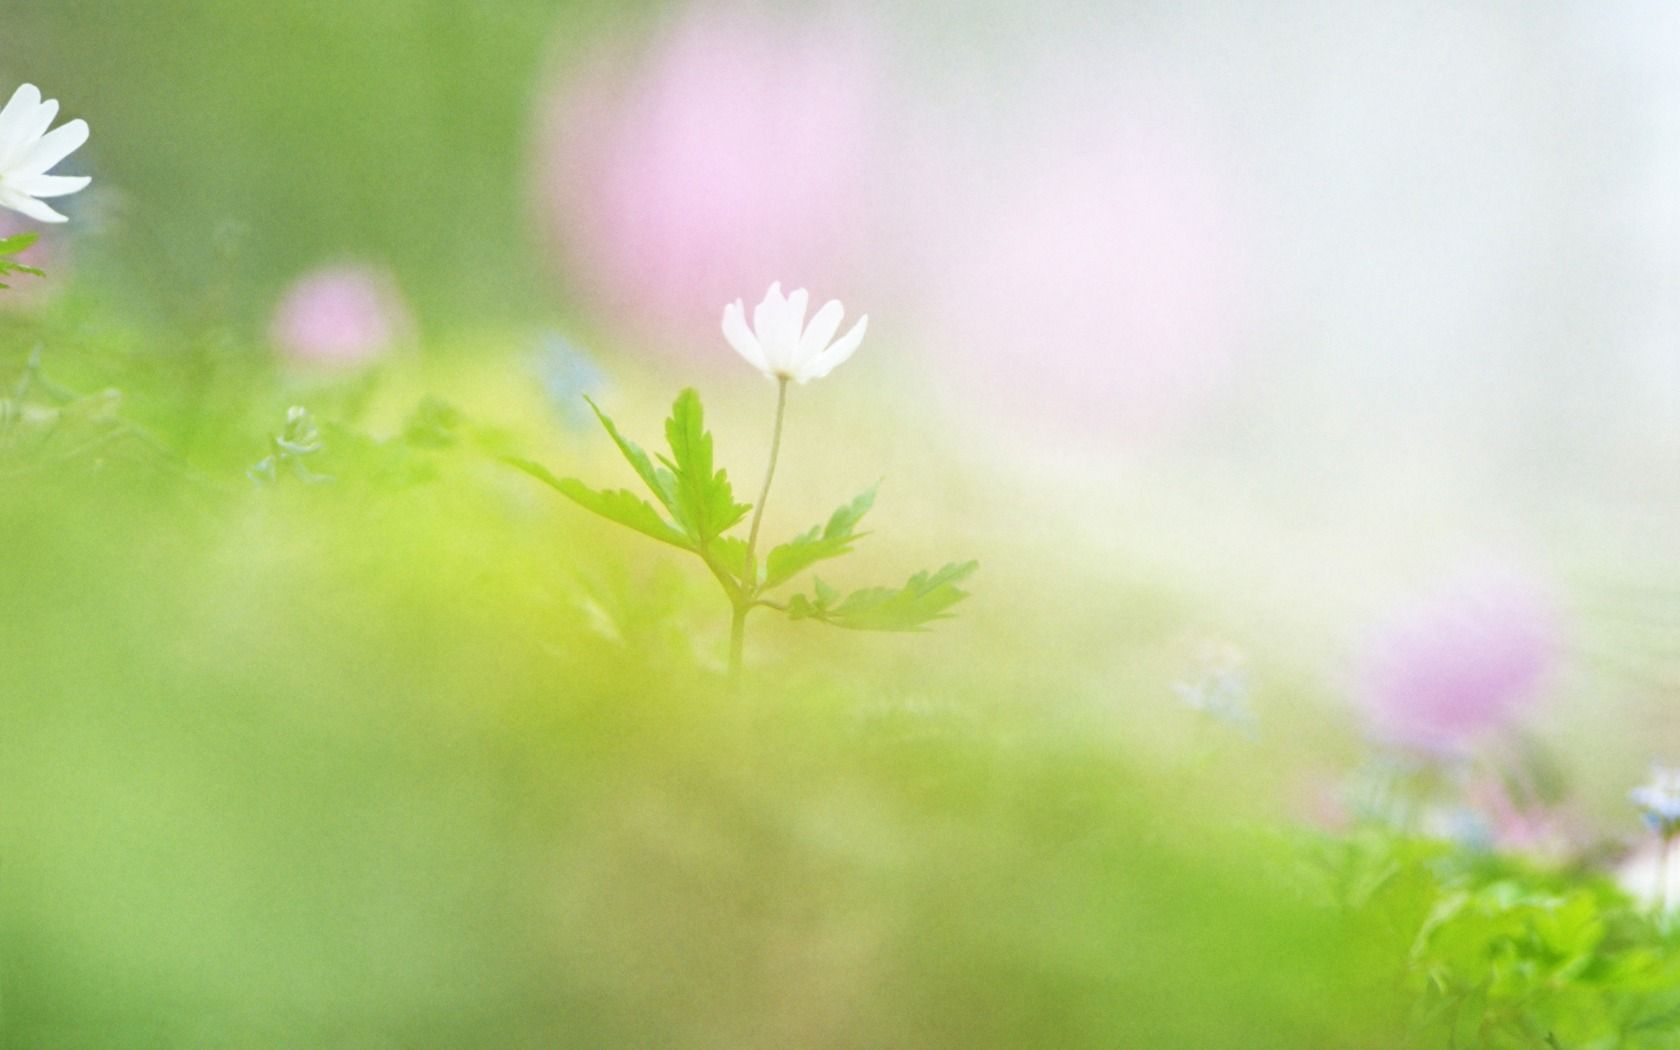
{"x":1338,"y":341}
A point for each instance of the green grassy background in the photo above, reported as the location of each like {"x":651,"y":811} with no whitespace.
{"x":424,"y":757}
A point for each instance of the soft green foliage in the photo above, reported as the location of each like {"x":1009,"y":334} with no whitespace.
{"x":620,"y":505}
{"x":10,"y":246}
{"x":1492,"y":953}
{"x":819,"y":543}
{"x":700,"y":508}
{"x":703,"y":500}
{"x":291,"y":449}
{"x":45,"y":424}
{"x":410,"y":733}
{"x":922,"y":600}
{"x":412,"y":758}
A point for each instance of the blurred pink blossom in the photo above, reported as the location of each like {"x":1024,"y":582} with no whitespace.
{"x":733,"y":152}
{"x":51,"y":253}
{"x":1080,"y":247}
{"x":1466,"y":659}
{"x":340,"y":316}
{"x":1521,"y":823}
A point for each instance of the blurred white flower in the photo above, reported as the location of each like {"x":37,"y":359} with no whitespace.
{"x":1651,"y":876}
{"x":28,"y":149}
{"x":781,"y":345}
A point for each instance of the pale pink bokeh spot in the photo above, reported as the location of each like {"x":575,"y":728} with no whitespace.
{"x":1525,"y":825}
{"x":733,"y":151}
{"x":1466,"y":659}
{"x":50,"y":254}
{"x":1081,"y":248}
{"x":340,"y":316}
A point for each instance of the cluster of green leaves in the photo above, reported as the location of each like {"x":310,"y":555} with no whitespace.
{"x":1492,"y":953}
{"x":697,"y":507}
{"x":291,"y":449}
{"x":10,"y":247}
{"x":314,"y":448}
{"x":925,"y":597}
{"x":45,"y":425}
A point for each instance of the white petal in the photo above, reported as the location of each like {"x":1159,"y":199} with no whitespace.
{"x":793,"y":322}
{"x":29,"y":133}
{"x":28,"y":206}
{"x":768,"y":322}
{"x":836,"y":355}
{"x":821,"y":329}
{"x":740,"y":336}
{"x":54,"y":147}
{"x":24,"y":102}
{"x":49,"y":185}
{"x":768,"y":311}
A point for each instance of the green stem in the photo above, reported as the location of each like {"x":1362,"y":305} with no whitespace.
{"x":769,"y":473}
{"x":1665,"y":846}
{"x":737,"y":639}
{"x":747,"y":597}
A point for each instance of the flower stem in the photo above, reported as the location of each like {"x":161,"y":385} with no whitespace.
{"x":749,"y":586}
{"x":769,"y":473}
{"x":737,"y":639}
{"x":1665,"y":846}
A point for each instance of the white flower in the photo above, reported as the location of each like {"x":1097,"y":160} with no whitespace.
{"x":28,"y":149}
{"x":1644,"y":873}
{"x":781,"y":345}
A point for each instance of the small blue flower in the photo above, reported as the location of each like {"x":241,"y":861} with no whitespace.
{"x":1659,"y":800}
{"x":567,"y":374}
{"x":1219,"y":688}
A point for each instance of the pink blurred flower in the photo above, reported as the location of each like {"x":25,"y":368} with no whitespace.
{"x":340,"y":316}
{"x":1080,"y":248}
{"x":732,"y":153}
{"x":1466,"y":659}
{"x":1519,"y":822}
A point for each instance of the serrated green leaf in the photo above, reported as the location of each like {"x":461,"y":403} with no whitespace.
{"x":8,"y":267}
{"x":626,"y":508}
{"x":818,"y":543}
{"x":730,"y":552}
{"x":620,"y":505}
{"x":703,"y":499}
{"x":17,"y":242}
{"x":661,"y":483}
{"x":922,"y":600}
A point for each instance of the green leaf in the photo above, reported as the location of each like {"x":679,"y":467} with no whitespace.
{"x":922,"y":600}
{"x":660,"y":482}
{"x":818,"y":543}
{"x":699,"y":500}
{"x":730,"y":552}
{"x":8,"y":267}
{"x":16,"y":243}
{"x":620,"y":505}
{"x":704,"y":502}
